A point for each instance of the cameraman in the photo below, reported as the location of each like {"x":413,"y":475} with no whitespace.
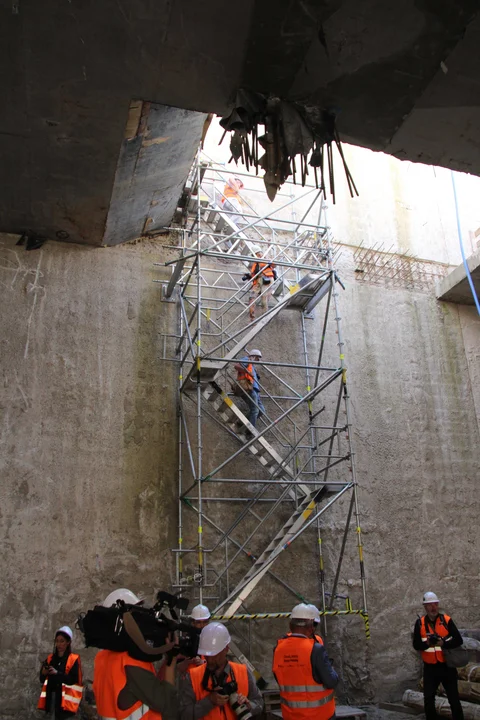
{"x":218,"y":689}
{"x":431,"y":634}
{"x":126,"y":688}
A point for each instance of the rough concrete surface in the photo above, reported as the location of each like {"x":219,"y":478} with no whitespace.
{"x":89,"y":459}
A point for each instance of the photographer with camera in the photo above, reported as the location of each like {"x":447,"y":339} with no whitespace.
{"x":434,"y":633}
{"x":219,"y":689}
{"x":61,"y":678}
{"x":303,"y":670}
{"x":127,"y":688}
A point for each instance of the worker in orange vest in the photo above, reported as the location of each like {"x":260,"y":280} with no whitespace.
{"x":61,"y":678}
{"x":248,"y":381}
{"x":433,"y":633}
{"x":231,"y":200}
{"x":219,"y":689}
{"x":303,"y":671}
{"x":262,"y":275}
{"x":128,"y":689}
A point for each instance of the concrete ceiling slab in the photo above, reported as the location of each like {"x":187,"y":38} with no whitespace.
{"x":70,"y":70}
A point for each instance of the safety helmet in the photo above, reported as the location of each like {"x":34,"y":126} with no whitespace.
{"x":213,"y":639}
{"x":200,"y":612}
{"x":65,"y":630}
{"x":255,"y":352}
{"x":430,"y":597}
{"x":315,"y":611}
{"x":303,"y":612}
{"x":255,"y":249}
{"x":127,"y":596}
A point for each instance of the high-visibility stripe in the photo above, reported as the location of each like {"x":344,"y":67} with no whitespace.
{"x":307,"y":703}
{"x":72,"y":698}
{"x":302,"y":688}
{"x":43,"y":693}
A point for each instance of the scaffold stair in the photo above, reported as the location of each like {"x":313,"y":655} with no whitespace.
{"x":263,"y":563}
{"x":303,"y":296}
{"x":261,"y":449}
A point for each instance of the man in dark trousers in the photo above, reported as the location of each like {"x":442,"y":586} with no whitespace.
{"x":303,"y":670}
{"x":432,"y":634}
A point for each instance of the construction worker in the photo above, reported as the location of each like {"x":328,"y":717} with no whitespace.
{"x":262,"y":275}
{"x":128,"y":689}
{"x":231,"y":200}
{"x":200,"y":616}
{"x":205,"y":692}
{"x":303,"y":671}
{"x":432,"y":634}
{"x":248,"y":380}
{"x":61,"y":678}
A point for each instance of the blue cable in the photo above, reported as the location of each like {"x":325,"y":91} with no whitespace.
{"x":465,"y":264}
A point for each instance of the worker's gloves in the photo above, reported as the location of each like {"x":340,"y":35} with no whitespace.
{"x":247,"y":276}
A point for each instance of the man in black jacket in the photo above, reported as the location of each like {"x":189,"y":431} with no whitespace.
{"x":432,"y":634}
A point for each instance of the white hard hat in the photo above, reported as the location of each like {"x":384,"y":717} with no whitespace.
{"x":255,"y":352}
{"x":303,"y":612}
{"x":200,"y":612}
{"x":255,"y":249}
{"x":315,"y":611}
{"x":430,"y":597}
{"x":65,"y":630}
{"x":127,"y":596}
{"x":213,"y":639}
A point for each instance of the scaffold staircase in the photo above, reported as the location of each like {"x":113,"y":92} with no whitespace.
{"x":303,"y":296}
{"x":281,"y":541}
{"x":232,"y":417}
{"x":302,"y":436}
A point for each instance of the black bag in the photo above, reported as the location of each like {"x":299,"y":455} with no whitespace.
{"x":456,"y":657}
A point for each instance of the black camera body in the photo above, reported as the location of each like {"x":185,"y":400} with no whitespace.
{"x":230,"y":688}
{"x":433,"y":639}
{"x":104,"y":628}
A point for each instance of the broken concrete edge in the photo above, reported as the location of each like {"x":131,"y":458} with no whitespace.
{"x":457,"y":276}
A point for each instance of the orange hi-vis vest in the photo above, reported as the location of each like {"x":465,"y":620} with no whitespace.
{"x":264,"y":269}
{"x":301,"y":697}
{"x":71,"y":694}
{"x":220,"y":713}
{"x":246,"y":373}
{"x":435,"y":654}
{"x":110,"y":678}
{"x":229,"y":191}
{"x":319,"y":639}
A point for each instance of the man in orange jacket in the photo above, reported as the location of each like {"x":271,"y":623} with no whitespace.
{"x":432,"y":634}
{"x":129,"y":689}
{"x":215,"y":689}
{"x":303,"y":671}
{"x":262,"y":275}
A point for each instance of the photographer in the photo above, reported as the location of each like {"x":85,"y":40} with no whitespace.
{"x":432,"y":634}
{"x":61,"y":678}
{"x":219,"y":689}
{"x":127,"y":688}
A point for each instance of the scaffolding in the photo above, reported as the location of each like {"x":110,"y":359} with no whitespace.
{"x":247,"y":493}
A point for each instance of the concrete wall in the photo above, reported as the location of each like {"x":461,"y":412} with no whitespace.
{"x":88,"y":447}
